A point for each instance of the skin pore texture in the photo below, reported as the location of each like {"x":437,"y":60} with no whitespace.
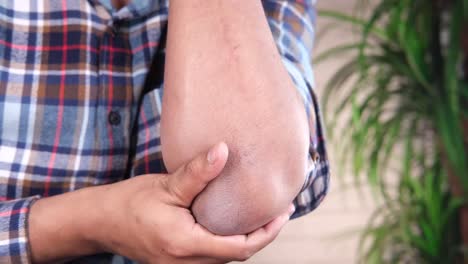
{"x":225,"y":81}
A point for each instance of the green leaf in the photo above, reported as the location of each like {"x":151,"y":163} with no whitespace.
{"x":400,"y":104}
{"x":334,"y":52}
{"x":350,"y":19}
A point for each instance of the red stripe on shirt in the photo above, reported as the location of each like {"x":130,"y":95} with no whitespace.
{"x":147,"y":45}
{"x":109,"y":107}
{"x":76,"y":47}
{"x":47,"y":48}
{"x":58,"y":129}
{"x":14,"y":212}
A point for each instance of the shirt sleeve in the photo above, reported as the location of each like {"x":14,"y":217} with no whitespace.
{"x":14,"y":245}
{"x":292,"y":23}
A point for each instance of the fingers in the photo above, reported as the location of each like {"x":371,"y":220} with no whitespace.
{"x":190,"y":179}
{"x":240,"y":247}
{"x":265,"y":235}
{"x":219,"y":247}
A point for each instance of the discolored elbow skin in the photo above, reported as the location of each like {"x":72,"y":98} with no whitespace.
{"x":245,"y":197}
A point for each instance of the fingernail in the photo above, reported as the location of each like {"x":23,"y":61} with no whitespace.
{"x":212,"y":155}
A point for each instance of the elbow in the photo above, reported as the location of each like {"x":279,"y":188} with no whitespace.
{"x":245,"y":198}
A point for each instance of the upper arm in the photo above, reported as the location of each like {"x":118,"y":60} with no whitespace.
{"x":293,"y":25}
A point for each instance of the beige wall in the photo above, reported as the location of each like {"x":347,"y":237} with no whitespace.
{"x":329,"y":234}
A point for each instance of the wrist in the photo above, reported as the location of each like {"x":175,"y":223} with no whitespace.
{"x":62,"y":227}
{"x":92,"y":228}
{"x":105,"y":221}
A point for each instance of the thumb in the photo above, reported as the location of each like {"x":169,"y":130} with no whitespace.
{"x":190,"y":179}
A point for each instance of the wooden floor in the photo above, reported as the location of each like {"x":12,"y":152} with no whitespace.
{"x":329,"y":235}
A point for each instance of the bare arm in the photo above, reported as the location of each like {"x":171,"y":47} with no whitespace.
{"x":225,"y":81}
{"x":132,"y":218}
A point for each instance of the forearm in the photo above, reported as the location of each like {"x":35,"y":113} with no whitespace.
{"x":225,"y":81}
{"x":64,"y":226}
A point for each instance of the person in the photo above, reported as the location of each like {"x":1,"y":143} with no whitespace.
{"x":85,"y":123}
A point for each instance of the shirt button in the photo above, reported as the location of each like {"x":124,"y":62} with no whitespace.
{"x":114,"y":118}
{"x":115,"y":27}
{"x":115,"y":30}
{"x":315,"y":156}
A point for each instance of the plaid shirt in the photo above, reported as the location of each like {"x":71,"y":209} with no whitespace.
{"x":77,"y":108}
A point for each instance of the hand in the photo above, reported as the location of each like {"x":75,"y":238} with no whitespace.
{"x":148,"y":218}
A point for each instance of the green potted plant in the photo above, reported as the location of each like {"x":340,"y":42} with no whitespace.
{"x":404,"y":95}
